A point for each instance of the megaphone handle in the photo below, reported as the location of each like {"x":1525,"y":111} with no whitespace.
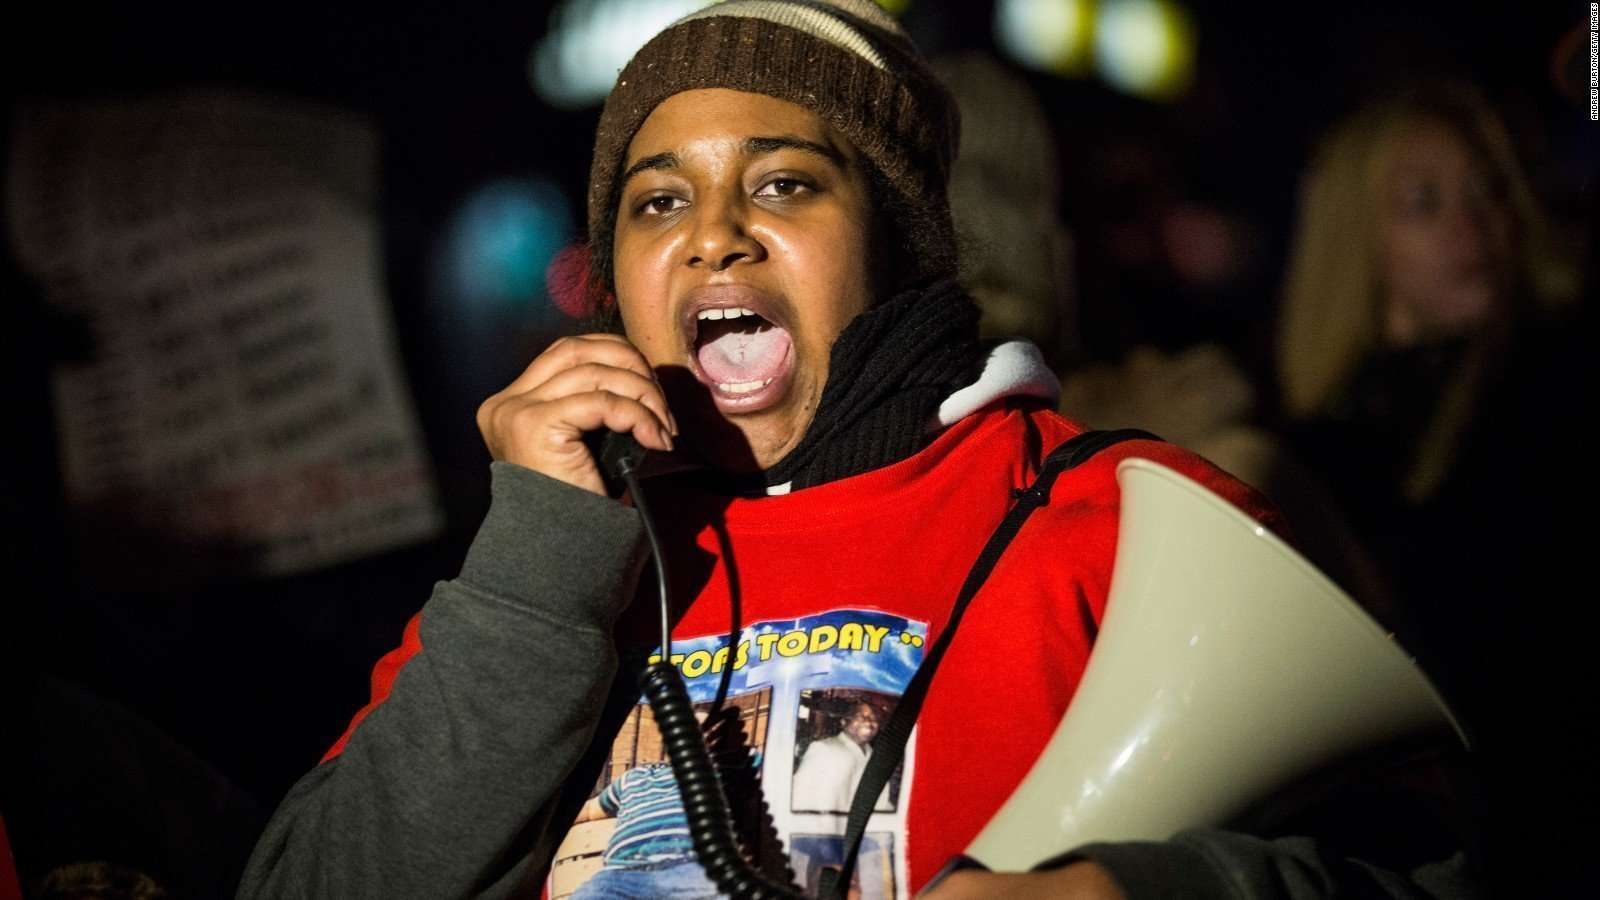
{"x":889,"y":746}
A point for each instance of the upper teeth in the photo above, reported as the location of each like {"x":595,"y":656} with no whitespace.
{"x":733,"y":312}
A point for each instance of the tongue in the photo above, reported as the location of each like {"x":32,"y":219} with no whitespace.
{"x":737,"y":356}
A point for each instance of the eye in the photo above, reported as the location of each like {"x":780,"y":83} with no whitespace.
{"x":1421,"y":199}
{"x":785,"y":187}
{"x":660,"y":205}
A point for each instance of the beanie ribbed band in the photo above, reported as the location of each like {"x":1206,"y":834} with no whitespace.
{"x":847,"y":61}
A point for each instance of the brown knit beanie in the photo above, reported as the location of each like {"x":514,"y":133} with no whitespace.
{"x":847,"y":61}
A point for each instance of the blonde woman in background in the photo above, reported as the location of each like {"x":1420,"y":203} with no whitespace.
{"x":1429,"y":362}
{"x":1418,"y":237}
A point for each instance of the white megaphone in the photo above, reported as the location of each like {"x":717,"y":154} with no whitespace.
{"x":1226,"y":667}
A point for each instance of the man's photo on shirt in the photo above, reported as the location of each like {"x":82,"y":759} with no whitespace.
{"x":833,"y":741}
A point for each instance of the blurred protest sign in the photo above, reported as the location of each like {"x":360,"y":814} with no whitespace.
{"x":244,"y":402}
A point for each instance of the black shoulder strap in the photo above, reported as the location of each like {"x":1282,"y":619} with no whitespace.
{"x":889,"y":747}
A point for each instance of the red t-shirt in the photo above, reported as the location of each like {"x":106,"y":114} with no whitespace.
{"x":839,"y":589}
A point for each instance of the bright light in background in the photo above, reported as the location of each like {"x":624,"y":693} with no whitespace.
{"x":1047,"y":35}
{"x":1145,"y":47}
{"x":499,"y":244}
{"x":589,"y":42}
{"x":1142,"y":47}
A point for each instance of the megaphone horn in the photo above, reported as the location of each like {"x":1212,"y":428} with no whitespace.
{"x":1226,"y":667}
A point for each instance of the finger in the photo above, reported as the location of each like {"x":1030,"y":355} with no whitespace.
{"x":1081,"y":880}
{"x":590,"y":377}
{"x":975,"y":885}
{"x":576,"y":350}
{"x":609,"y":349}
{"x":616,"y":412}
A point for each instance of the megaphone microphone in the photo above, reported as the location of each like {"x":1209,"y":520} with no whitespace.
{"x":617,"y":455}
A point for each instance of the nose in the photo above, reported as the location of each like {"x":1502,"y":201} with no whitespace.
{"x":722,"y":237}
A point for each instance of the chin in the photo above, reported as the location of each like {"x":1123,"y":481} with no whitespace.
{"x":735,"y":437}
{"x":763,"y":444}
{"x":737,"y":443}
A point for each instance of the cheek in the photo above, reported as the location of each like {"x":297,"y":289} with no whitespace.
{"x":643,"y":331}
{"x":644,"y":288}
{"x":827,"y":274}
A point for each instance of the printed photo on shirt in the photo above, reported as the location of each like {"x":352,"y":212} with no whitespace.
{"x":873,"y":879}
{"x":833,"y":741}
{"x":791,"y":686}
{"x":631,"y":838}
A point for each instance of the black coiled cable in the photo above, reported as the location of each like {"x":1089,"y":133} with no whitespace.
{"x":710,"y":825}
{"x":705,"y":805}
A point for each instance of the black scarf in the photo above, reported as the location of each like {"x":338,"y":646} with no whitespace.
{"x":887,"y":374}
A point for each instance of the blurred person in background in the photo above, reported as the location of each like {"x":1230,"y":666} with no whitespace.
{"x":1005,"y":190}
{"x":1421,"y":263}
{"x":1005,"y":194}
{"x":1429,"y":365}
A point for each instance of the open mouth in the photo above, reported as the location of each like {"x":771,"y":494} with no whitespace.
{"x":744,"y":357}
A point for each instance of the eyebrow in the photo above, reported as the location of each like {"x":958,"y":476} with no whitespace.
{"x":755,"y":146}
{"x":668,"y":160}
{"x":758,"y":146}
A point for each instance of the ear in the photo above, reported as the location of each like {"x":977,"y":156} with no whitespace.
{"x":571,"y":284}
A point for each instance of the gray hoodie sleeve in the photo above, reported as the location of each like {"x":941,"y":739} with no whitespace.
{"x":450,"y":787}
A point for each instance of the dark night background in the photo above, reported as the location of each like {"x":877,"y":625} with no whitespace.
{"x":258,"y":677}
